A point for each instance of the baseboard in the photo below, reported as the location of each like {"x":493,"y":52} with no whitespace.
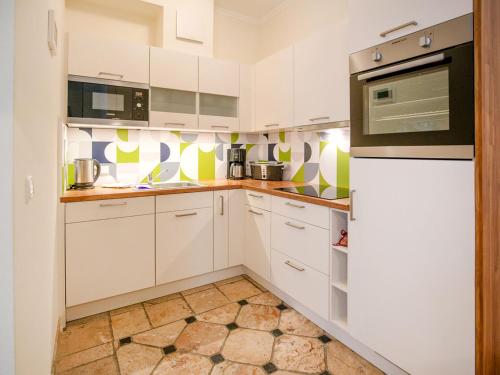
{"x":92,"y":308}
{"x":331,"y":328}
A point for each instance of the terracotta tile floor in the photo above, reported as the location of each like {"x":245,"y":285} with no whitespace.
{"x":232,"y":327}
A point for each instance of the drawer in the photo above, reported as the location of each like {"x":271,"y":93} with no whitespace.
{"x":259,"y":200}
{"x":305,"y":242}
{"x":306,"y":285}
{"x":187,"y":201}
{"x":173,"y":120}
{"x":306,"y":212}
{"x":108,"y":209}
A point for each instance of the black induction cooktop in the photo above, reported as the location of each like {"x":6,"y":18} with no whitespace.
{"x":318,"y":191}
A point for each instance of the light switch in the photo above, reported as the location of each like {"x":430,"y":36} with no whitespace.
{"x":29,"y":188}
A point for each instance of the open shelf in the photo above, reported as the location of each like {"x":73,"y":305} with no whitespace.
{"x":339,"y":268}
{"x":339,"y":307}
{"x":342,"y":249}
{"x":340,"y":286}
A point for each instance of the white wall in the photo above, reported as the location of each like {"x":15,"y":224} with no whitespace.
{"x":37,"y":116}
{"x":235,"y":37}
{"x":7,"y":15}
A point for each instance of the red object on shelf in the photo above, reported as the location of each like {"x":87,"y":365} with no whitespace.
{"x":343,"y":239}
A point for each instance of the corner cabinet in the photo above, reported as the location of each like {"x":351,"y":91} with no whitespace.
{"x":321,"y":84}
{"x":181,"y":251}
{"x":369,"y":19}
{"x":258,"y":241}
{"x":110,"y":248}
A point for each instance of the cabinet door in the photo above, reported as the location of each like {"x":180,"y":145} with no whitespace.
{"x":411,"y":263}
{"x":221,"y":230}
{"x":274,"y":91}
{"x":367,"y":19}
{"x":108,"y":59}
{"x":258,"y":241}
{"x":174,"y":70}
{"x":109,"y":257}
{"x":236,"y":227}
{"x":184,"y":244}
{"x":219,"y":77}
{"x":246,"y":107}
{"x":321,"y":78}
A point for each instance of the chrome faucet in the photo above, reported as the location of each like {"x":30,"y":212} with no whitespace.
{"x":150,"y":176}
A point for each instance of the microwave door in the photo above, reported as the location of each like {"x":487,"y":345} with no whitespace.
{"x":107,"y":102}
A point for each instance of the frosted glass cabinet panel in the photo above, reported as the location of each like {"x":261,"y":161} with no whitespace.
{"x":174,"y":109}
{"x":218,"y":105}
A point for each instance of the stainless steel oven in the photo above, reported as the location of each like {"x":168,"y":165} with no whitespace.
{"x":107,"y":102}
{"x":413,"y":97}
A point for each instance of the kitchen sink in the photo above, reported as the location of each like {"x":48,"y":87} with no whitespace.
{"x":167,"y":185}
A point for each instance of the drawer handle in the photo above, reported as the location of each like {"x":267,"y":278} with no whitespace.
{"x":184,"y":215}
{"x":351,"y":206}
{"x":113,"y":204}
{"x":120,"y":76}
{"x":220,"y":126}
{"x":255,"y":212}
{"x":319,"y":118}
{"x":294,"y":205}
{"x":256,"y":196}
{"x":175,"y":124}
{"x":295,"y":225}
{"x":290,"y":264}
{"x":271,"y":125}
{"x":221,"y":197}
{"x":383,"y":34}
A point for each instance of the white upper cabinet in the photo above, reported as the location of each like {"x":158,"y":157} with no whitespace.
{"x":369,"y":19}
{"x":246,"y":107}
{"x":173,"y":70}
{"x":115,"y":60}
{"x":274,"y":91}
{"x":219,"y":77}
{"x":321,"y":78}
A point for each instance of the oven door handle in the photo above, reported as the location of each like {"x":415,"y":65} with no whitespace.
{"x":403,"y":66}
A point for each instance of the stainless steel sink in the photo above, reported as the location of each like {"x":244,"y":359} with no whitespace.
{"x":174,"y":185}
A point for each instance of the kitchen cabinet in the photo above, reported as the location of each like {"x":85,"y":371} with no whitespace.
{"x":221,"y":229}
{"x":246,"y":105}
{"x":236,"y":214}
{"x":109,"y":248}
{"x":173,"y":70}
{"x":115,"y":60}
{"x":173,"y":109}
{"x":321,"y":78}
{"x":274,"y":91}
{"x":369,"y":19}
{"x":258,"y":241}
{"x":184,"y":236}
{"x":219,"y":77}
{"x":411,"y":263}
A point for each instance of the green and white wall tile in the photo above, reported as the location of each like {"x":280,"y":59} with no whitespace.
{"x":130,"y":155}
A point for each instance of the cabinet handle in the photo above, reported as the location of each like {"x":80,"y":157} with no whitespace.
{"x":221,"y":197}
{"x":383,"y":34}
{"x":271,"y":125}
{"x":290,"y":264}
{"x":255,"y":212}
{"x":113,"y":204}
{"x":319,"y":118}
{"x":295,"y":225}
{"x":119,"y":76}
{"x":189,"y":214}
{"x":294,"y":205}
{"x":175,"y":124}
{"x":220,"y":126}
{"x":351,"y":206}
{"x":256,"y":196}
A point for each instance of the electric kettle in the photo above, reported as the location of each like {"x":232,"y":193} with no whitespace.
{"x":87,"y":172}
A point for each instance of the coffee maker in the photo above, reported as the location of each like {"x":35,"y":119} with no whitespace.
{"x":236,"y":163}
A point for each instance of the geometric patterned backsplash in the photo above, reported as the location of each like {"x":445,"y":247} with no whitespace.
{"x":130,"y":155}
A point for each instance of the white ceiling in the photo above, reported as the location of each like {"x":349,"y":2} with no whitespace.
{"x":250,"y":8}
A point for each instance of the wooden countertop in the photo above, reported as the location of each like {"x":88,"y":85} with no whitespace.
{"x":267,"y":187}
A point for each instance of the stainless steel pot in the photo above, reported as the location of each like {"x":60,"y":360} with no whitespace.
{"x":270,"y":171}
{"x":87,"y":172}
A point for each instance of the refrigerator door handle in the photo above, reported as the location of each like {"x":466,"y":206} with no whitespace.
{"x":351,"y":205}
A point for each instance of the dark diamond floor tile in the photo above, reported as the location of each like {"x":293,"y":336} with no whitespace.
{"x":217,"y":358}
{"x":325,"y":373}
{"x":324,"y":339}
{"x":190,"y":319}
{"x":231,"y":326}
{"x":243,"y":302}
{"x":282,"y":307}
{"x":276,"y":332}
{"x":270,"y":368}
{"x":169,"y":349}
{"x":125,"y":340}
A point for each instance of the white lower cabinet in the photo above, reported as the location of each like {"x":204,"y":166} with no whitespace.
{"x":184,"y":244}
{"x":221,"y":230}
{"x":236,"y":213}
{"x":306,"y":285}
{"x":105,"y":258}
{"x":258,"y":241}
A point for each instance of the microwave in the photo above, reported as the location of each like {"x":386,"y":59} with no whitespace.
{"x":107,"y":102}
{"x":413,"y":97}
